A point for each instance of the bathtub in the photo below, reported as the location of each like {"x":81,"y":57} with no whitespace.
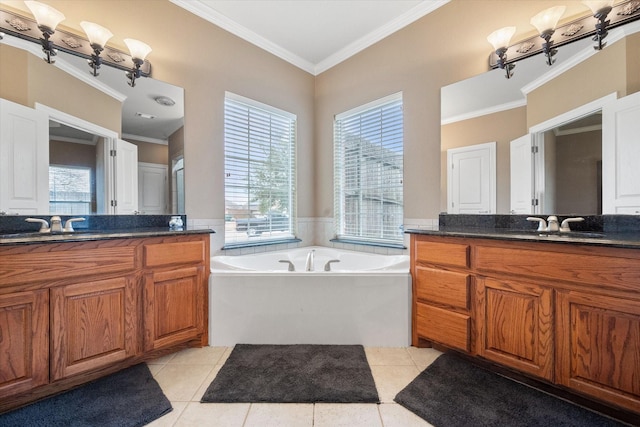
{"x":365,"y":299}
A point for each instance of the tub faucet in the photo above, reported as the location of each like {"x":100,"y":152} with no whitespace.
{"x":309,"y":264}
{"x":327,"y":266}
{"x":291,"y":266}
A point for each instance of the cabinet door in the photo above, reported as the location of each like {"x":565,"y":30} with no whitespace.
{"x":24,"y":341}
{"x":515,"y":325}
{"x":174,"y":306}
{"x":599,"y":347}
{"x":93,"y":325}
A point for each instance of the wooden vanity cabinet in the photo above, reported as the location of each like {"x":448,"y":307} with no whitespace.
{"x":24,"y":341}
{"x":567,"y":314}
{"x":71,"y":312}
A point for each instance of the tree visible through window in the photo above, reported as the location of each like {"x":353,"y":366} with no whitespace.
{"x":368,"y":172}
{"x":69,"y":190}
{"x":259,"y":143}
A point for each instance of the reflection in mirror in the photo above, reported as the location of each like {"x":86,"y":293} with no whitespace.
{"x":489,"y":108}
{"x":83,"y":130}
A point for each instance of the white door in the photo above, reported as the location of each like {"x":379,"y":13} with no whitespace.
{"x":126,"y":177}
{"x":24,"y":159}
{"x":152,"y":188}
{"x":471,"y":179}
{"x":621,"y":156}
{"x":520,"y":164}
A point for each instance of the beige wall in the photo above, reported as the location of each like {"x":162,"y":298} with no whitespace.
{"x":149,"y":152}
{"x":502,"y":127}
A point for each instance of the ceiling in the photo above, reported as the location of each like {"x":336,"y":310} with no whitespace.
{"x":313,"y":35}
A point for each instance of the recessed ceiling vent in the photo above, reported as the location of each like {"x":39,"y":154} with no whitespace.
{"x":165,"y":100}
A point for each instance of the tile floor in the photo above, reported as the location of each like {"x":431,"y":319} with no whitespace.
{"x":185,"y":376}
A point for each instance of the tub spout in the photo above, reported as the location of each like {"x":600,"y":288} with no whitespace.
{"x":291,"y":266}
{"x":309,"y":264}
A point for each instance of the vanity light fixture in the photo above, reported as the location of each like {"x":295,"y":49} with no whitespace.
{"x":139,"y":52}
{"x":47,"y":19}
{"x":600,"y":10}
{"x":603,"y":15}
{"x":98,"y":37}
{"x":546,"y":22}
{"x":43,"y":30}
{"x":500,"y":40}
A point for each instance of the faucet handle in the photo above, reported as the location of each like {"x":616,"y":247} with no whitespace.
{"x":542,"y":224}
{"x":44,"y":225}
{"x":327,"y":266}
{"x":564,"y":227}
{"x":68,"y":226}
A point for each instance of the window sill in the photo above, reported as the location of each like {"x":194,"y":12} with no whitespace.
{"x":260,"y":243}
{"x":363,"y":243}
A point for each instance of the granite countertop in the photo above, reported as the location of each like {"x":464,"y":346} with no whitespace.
{"x":598,"y":238}
{"x":86,"y":235}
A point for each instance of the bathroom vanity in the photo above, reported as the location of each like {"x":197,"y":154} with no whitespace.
{"x":77,"y":307}
{"x":561,"y":309}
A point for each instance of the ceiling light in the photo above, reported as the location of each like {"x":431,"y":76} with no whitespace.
{"x":139,"y":51}
{"x":500,"y":40}
{"x":546,"y":22}
{"x":165,"y":101}
{"x":145,"y":115}
{"x":98,"y":37}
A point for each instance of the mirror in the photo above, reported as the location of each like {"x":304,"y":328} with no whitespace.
{"x":489,"y":107}
{"x":87,"y":115}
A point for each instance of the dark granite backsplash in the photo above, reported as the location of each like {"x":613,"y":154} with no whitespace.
{"x":17,"y":223}
{"x":595,"y":223}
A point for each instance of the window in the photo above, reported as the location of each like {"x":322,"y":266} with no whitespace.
{"x":69,"y":190}
{"x":259,"y":185}
{"x":368,"y":172}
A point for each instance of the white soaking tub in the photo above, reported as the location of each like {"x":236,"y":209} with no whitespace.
{"x":364,"y":299}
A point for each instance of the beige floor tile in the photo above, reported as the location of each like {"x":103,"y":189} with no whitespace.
{"x":388,"y":356}
{"x":423,"y":357}
{"x":154,"y":369}
{"x":391,"y":379}
{"x":199,"y":356}
{"x":225,"y":356}
{"x":279,"y":415}
{"x":346,"y":415}
{"x":394,"y":415}
{"x":180,"y":382}
{"x":171,"y":418}
{"x":205,"y":384}
{"x":161,"y":360}
{"x":213,"y":415}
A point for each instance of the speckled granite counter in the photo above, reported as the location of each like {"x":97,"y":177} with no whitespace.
{"x":15,"y":230}
{"x":621,"y":231}
{"x":84,"y":235}
{"x":620,"y":240}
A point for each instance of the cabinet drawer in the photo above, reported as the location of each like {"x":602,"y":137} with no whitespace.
{"x":575,"y":267}
{"x":63,"y":264}
{"x":454,"y":254}
{"x":159,"y":254}
{"x":443,"y":326}
{"x":443,"y":287}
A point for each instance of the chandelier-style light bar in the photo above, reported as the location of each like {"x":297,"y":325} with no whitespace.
{"x":604,"y":15}
{"x":43,"y":31}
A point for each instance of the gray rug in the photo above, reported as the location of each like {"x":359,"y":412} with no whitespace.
{"x":294,"y":374}
{"x":455,"y":392}
{"x":128,"y":398}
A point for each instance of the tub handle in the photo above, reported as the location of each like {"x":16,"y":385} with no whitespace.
{"x":291,"y":266}
{"x":327,"y":266}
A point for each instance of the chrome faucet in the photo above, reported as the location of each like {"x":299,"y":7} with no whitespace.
{"x":552,"y":223}
{"x":56,"y":224}
{"x":309,"y":264}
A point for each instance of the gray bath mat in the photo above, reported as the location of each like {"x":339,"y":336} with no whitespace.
{"x":294,"y":374}
{"x":129,"y":398}
{"x":455,"y":392}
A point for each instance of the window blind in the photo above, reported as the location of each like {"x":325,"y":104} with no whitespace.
{"x":368,"y":172}
{"x":259,"y":146}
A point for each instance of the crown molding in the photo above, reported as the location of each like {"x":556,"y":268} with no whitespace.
{"x":145,"y":139}
{"x":484,"y":111}
{"x":200,"y":9}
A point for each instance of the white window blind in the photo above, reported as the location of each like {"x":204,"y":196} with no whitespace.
{"x":259,"y":186}
{"x":368,"y":172}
